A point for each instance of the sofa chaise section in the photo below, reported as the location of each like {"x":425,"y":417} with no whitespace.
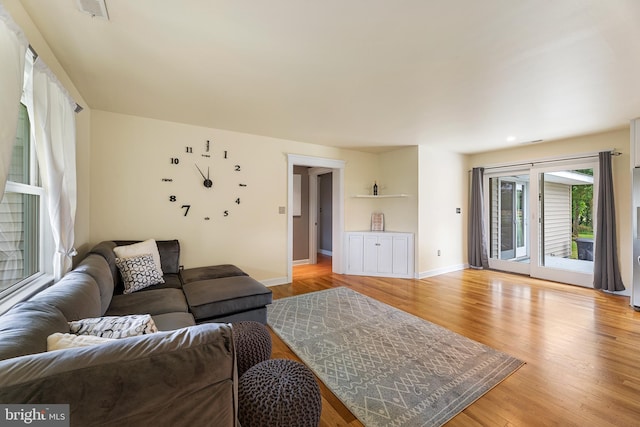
{"x":178,"y":378}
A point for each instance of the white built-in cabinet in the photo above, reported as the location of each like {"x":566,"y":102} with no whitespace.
{"x":384,"y":253}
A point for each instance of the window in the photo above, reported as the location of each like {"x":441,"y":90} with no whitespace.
{"x":24,"y":227}
{"x":34,"y":251}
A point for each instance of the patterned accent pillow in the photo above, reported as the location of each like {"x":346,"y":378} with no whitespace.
{"x":114,"y":326}
{"x":138,"y":272}
{"x":142,"y":248}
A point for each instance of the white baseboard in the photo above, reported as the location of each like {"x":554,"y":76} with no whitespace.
{"x":443,"y":270}
{"x":325,"y":252}
{"x":300,"y":262}
{"x":275,"y":281}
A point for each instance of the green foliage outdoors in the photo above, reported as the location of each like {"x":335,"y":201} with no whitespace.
{"x":582,"y":207}
{"x":581,"y":212}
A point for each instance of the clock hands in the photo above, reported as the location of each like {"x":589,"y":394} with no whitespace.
{"x":207,"y":182}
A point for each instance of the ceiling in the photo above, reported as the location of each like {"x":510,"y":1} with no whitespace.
{"x":463,"y":75}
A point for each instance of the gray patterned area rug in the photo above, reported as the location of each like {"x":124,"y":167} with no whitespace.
{"x":388,"y":367}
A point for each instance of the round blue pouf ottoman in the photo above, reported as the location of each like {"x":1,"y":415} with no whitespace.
{"x":279,"y":393}
{"x":253,"y":344}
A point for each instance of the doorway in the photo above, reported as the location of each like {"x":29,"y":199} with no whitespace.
{"x":312,"y":215}
{"x":318,"y":166}
{"x":324,"y":223}
{"x":540,"y":221}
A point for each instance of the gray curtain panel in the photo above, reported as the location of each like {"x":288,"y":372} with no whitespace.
{"x":606,"y":269}
{"x":477,"y":245}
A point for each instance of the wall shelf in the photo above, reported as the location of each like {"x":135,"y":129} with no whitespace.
{"x":380,"y":196}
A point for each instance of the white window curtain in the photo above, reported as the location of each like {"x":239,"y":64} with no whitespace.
{"x":13,"y":47}
{"x":52,"y":114}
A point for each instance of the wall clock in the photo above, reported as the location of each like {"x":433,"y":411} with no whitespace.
{"x":204,"y":183}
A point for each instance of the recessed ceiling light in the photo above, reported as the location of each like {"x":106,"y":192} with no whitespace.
{"x":511,"y":138}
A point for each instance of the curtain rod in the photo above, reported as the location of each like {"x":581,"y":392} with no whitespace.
{"x":613,"y":152}
{"x":35,"y":56}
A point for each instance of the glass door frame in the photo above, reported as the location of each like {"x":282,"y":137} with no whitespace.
{"x":506,"y":173}
{"x":549,"y":273}
{"x":532,"y":220}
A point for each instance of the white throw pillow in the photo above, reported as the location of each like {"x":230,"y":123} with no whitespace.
{"x":138,"y":273}
{"x":114,"y":326}
{"x":147,"y":247}
{"x":59,"y":341}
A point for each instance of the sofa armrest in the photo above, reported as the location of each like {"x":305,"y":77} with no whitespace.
{"x":182,"y":377}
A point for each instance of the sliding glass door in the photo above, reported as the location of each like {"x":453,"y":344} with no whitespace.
{"x":540,"y":221}
{"x":509,"y":224}
{"x":566,"y":225}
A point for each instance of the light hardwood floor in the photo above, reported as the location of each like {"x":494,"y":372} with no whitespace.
{"x":581,"y":346}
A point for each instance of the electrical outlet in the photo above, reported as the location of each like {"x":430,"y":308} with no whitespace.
{"x":281,"y":210}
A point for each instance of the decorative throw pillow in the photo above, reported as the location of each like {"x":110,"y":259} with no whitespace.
{"x":138,"y":273}
{"x":147,"y":247}
{"x":59,"y":341}
{"x":114,"y":326}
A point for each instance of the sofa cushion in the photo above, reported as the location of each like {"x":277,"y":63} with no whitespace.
{"x":172,"y":321}
{"x":169,"y":251}
{"x":25,"y":327}
{"x":224,"y":296}
{"x":115,"y":326}
{"x":76,"y":295}
{"x":211,"y":272}
{"x":170,"y":281}
{"x":138,"y":272}
{"x":98,"y":267}
{"x":105,"y":250}
{"x":157,"y":301}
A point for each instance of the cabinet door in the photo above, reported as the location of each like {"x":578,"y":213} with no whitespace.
{"x":385,"y":254}
{"x":355,"y":253}
{"x":401,"y":255}
{"x":371,"y":253}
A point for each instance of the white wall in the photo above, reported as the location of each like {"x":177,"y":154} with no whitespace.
{"x":131,"y":155}
{"x":398,"y":174}
{"x":443,"y":187}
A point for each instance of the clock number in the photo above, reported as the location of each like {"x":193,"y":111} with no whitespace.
{"x":238,"y":201}
{"x":189,"y":149}
{"x":225,"y":154}
{"x":226,"y":213}
{"x":237,"y":168}
{"x":172,"y":198}
{"x":186,"y":208}
{"x":207,"y":146}
{"x":175,"y":160}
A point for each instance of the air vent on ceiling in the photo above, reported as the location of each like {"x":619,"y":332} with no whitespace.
{"x":95,"y":8}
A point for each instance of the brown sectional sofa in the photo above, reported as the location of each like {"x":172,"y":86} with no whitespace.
{"x":187,"y":367}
